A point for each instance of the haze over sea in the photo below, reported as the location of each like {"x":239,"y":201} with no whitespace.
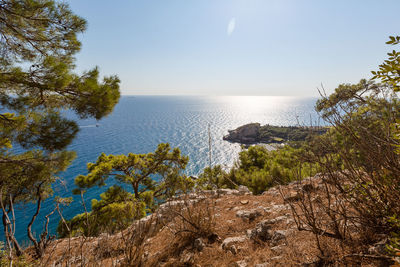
{"x":139,"y":123}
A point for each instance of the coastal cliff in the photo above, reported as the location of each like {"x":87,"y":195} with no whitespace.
{"x":246,"y":134}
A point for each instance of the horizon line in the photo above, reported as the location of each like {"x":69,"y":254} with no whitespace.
{"x":211,"y":95}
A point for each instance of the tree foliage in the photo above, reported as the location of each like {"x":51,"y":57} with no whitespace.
{"x":260,"y":169}
{"x":389,"y":70}
{"x":151,"y":177}
{"x":38,"y":41}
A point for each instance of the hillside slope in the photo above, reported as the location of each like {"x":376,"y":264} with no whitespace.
{"x":244,"y":230}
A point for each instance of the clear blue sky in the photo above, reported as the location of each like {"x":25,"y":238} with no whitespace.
{"x":235,"y":47}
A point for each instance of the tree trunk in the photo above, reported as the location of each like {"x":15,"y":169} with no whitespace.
{"x":10,"y":239}
{"x":18,"y":249}
{"x":5,"y":227}
{"x":136,"y":190}
{"x":30,"y":235}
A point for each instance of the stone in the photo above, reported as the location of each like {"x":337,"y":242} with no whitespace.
{"x":248,"y":233}
{"x":244,"y":202}
{"x":244,"y":190}
{"x":314,"y":263}
{"x":208,"y":192}
{"x":233,"y":249}
{"x":264,"y":209}
{"x":278,"y":236}
{"x":230,"y":241}
{"x":192,"y":196}
{"x":225,"y":191}
{"x":278,"y":208}
{"x":265,"y":264}
{"x":292,"y":197}
{"x":276,"y":220}
{"x":241,"y":263}
{"x":262,"y":231}
{"x":248,"y":214}
{"x":188,"y":258}
{"x":277,"y":249}
{"x":272,"y":191}
{"x":198,"y":244}
{"x":290,"y":221}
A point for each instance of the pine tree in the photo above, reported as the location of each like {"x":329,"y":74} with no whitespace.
{"x":38,"y":41}
{"x":150,"y":177}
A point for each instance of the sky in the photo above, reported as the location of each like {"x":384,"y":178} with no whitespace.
{"x":235,"y":47}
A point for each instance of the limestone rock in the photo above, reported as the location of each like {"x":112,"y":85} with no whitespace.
{"x":273,"y":191}
{"x":262,"y":231}
{"x":226,"y":191}
{"x":248,"y":214}
{"x":233,"y":249}
{"x":198,"y":244}
{"x":244,"y":202}
{"x":314,"y":263}
{"x":278,"y":236}
{"x":293,"y":197}
{"x":230,"y":241}
{"x":278,"y":208}
{"x":188,"y":258}
{"x":276,"y":220}
{"x":277,"y":249}
{"x":241,"y":263}
{"x":243,"y":190}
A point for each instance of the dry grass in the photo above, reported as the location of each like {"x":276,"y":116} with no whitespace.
{"x":169,"y":244}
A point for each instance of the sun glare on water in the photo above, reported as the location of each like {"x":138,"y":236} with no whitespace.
{"x":257,"y":103}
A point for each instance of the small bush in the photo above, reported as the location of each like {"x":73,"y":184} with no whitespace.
{"x":360,"y":166}
{"x":193,"y":218}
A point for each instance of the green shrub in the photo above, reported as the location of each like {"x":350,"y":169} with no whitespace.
{"x":259,"y":169}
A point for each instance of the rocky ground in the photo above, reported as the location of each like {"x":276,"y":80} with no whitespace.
{"x":248,"y":230}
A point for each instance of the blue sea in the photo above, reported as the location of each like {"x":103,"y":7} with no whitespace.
{"x":139,"y":123}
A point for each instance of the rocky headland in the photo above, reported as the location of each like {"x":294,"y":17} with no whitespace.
{"x":254,"y":133}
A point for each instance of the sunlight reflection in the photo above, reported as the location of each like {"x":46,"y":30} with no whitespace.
{"x":258,"y":103}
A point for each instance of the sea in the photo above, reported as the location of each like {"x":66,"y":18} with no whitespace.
{"x":139,"y":123}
